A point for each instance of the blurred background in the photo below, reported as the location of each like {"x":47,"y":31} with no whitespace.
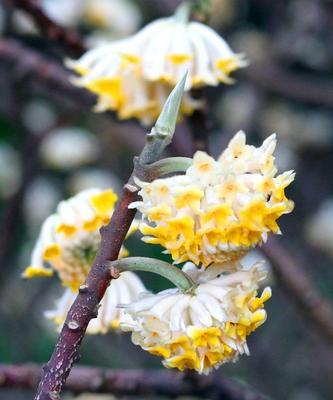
{"x":52,"y":146}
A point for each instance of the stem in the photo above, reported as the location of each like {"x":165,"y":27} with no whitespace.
{"x":144,"y":383}
{"x":168,"y":166}
{"x":65,"y":37}
{"x":85,"y":306}
{"x":162,"y":268}
{"x":182,"y":13}
{"x":292,"y":276}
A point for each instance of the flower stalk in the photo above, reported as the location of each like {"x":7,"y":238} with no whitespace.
{"x":182,"y":13}
{"x":162,"y":268}
{"x":167,"y":166}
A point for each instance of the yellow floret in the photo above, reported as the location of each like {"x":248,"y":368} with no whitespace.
{"x":104,"y":202}
{"x":33,"y":272}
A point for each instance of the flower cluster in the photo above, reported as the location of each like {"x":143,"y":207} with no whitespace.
{"x":67,"y":244}
{"x":122,"y":290}
{"x":219,"y":209}
{"x":202,"y":329}
{"x":69,"y":239}
{"x":134,"y":76}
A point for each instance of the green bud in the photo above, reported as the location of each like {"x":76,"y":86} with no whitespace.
{"x":166,"y":122}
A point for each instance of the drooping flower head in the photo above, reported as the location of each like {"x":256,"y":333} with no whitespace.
{"x":134,"y":76}
{"x":117,"y":80}
{"x":219,"y":209}
{"x":122,"y":290}
{"x":168,"y":47}
{"x":204,"y":328}
{"x":67,"y":244}
{"x":69,"y":239}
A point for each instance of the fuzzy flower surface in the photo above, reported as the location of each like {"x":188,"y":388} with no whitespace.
{"x":122,"y":290}
{"x":220,"y":208}
{"x":69,"y":239}
{"x":134,"y":76}
{"x":202,"y":329}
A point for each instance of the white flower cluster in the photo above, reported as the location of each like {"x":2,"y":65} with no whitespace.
{"x":134,"y":76}
{"x":204,"y":328}
{"x":123,"y":290}
{"x":68,"y":244}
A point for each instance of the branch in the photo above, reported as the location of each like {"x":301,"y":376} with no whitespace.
{"x":294,"y":279}
{"x":67,"y":38}
{"x":295,"y":86}
{"x":133,"y":382}
{"x":85,"y":306}
{"x":38,"y":68}
{"x":52,"y":79}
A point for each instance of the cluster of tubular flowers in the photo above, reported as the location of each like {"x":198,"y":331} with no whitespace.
{"x":204,"y":328}
{"x":67,"y":244}
{"x":122,"y":290}
{"x":217,"y":210}
{"x":134,"y":76}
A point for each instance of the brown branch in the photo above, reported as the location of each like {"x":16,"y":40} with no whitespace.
{"x":200,"y":126}
{"x":133,"y":382}
{"x":299,"y":87}
{"x":37,"y":68}
{"x":200,"y":123}
{"x":67,"y":38}
{"x":294,"y":279}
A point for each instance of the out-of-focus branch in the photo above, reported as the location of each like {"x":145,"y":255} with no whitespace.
{"x":68,"y":38}
{"x":294,"y":279}
{"x":12,"y":216}
{"x":133,"y":382}
{"x":48,"y":76}
{"x":39,"y":69}
{"x":200,"y":127}
{"x":277,"y":80}
{"x":160,"y":6}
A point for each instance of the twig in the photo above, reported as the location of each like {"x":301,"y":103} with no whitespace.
{"x":294,"y":279}
{"x":67,"y":38}
{"x":299,"y":87}
{"x":200,"y":127}
{"x":41,"y":69}
{"x":52,"y":79}
{"x":133,"y":382}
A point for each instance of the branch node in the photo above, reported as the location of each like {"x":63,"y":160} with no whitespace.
{"x":114,"y":272}
{"x":73,"y":325}
{"x":83,"y":288}
{"x":131,"y":188}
